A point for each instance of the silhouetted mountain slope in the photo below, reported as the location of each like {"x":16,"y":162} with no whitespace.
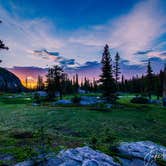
{"x":9,"y":82}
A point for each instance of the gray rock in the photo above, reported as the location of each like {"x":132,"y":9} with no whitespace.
{"x":65,"y":102}
{"x":25,"y":163}
{"x":35,"y":104}
{"x":89,"y":100}
{"x":108,"y":106}
{"x":54,"y":161}
{"x":154,"y":102}
{"x":90,"y":163}
{"x":144,"y":150}
{"x":6,"y":157}
{"x":164,"y":101}
{"x":71,"y":163}
{"x":86,"y":155}
{"x":81,"y":91}
{"x":137,"y":154}
{"x":42,"y":93}
{"x":71,"y":154}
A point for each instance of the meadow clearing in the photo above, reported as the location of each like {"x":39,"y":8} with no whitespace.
{"x":26,"y":130}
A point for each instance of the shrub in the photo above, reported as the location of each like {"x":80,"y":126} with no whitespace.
{"x":93,"y":141}
{"x":37,"y":98}
{"x":139,"y":100}
{"x":76,"y":100}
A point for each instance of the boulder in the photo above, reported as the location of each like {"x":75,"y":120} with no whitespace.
{"x":142,"y":152}
{"x":6,"y":157}
{"x":42,"y":93}
{"x":154,"y":101}
{"x":164,"y":102}
{"x":65,"y":102}
{"x":89,"y":100}
{"x":86,"y":156}
{"x":26,"y":163}
{"x":83,"y":156}
{"x":81,"y":91}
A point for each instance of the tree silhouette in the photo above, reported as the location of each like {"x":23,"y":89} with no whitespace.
{"x":2,"y":45}
{"x":55,"y":79}
{"x":106,"y":78}
{"x":117,"y":69}
{"x":40,"y":84}
{"x":149,"y":77}
{"x":164,"y":86}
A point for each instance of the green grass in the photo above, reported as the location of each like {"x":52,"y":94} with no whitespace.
{"x":26,"y":130}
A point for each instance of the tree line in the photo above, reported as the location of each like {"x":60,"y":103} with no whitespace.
{"x":109,"y":83}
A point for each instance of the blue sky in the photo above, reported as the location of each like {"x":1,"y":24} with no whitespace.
{"x":73,"y":33}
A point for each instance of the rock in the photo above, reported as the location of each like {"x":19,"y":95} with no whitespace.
{"x":134,"y":154}
{"x":89,"y":100}
{"x":6,"y":157}
{"x":35,"y":104}
{"x":54,"y":161}
{"x":135,"y":162}
{"x":65,"y":102}
{"x":154,"y":101}
{"x":164,"y":102}
{"x":146,"y":151}
{"x":9,"y":82}
{"x":90,"y":163}
{"x":25,"y":163}
{"x":81,"y":91}
{"x":86,"y":156}
{"x":42,"y":93}
{"x":108,"y":106}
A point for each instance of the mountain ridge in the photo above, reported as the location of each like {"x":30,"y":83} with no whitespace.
{"x":9,"y":82}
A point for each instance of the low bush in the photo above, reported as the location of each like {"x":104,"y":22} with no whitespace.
{"x":76,"y":100}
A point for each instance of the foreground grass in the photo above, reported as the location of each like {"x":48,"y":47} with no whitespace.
{"x":26,"y":130}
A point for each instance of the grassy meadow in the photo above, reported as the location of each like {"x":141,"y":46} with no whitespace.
{"x":26,"y":130}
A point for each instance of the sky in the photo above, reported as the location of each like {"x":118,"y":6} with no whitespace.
{"x":72,"y":34}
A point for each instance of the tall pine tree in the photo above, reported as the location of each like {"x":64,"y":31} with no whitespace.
{"x":2,"y":45}
{"x":55,"y":79}
{"x":149,"y":78}
{"x":106,"y":78}
{"x":117,"y":69}
{"x":164,"y":86}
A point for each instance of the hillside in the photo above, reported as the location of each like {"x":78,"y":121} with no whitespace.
{"x":9,"y":82}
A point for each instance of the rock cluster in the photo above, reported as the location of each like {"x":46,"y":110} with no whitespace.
{"x":84,"y":156}
{"x":142,"y":153}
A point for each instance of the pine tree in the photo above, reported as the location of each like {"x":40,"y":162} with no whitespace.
{"x":149,"y":78}
{"x":40,"y":84}
{"x":106,"y":78}
{"x":26,"y":82}
{"x":2,"y":45}
{"x":117,"y":68}
{"x":76,"y":83}
{"x":164,"y":86}
{"x":55,"y":78}
{"x":123,"y":83}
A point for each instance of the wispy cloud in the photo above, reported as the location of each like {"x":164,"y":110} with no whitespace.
{"x":133,"y":32}
{"x":37,"y":42}
{"x":24,"y":36}
{"x":43,"y":53}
